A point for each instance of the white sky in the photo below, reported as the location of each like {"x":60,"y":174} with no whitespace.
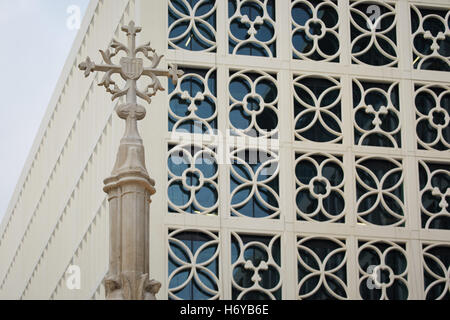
{"x":35,"y":42}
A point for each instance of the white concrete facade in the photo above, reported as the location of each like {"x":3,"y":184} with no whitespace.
{"x":59,"y":215}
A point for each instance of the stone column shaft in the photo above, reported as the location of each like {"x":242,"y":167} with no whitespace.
{"x":129,"y":191}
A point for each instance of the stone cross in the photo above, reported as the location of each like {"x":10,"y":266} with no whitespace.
{"x":131,"y":68}
{"x":130,"y":188}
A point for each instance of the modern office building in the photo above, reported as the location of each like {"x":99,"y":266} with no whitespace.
{"x":304,"y":154}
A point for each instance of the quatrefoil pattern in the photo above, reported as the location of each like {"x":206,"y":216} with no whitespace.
{"x":376,"y":110}
{"x":253,"y":104}
{"x":321,"y":269}
{"x":317,"y":108}
{"x":256,"y":267}
{"x":193,"y":102}
{"x":307,"y":147}
{"x":435,"y":194}
{"x":383,"y":270}
{"x":192,"y":25}
{"x":432,"y":117}
{"x":436,"y":269}
{"x":193,"y":175}
{"x":254,"y":183}
{"x":252,"y":27}
{"x":315,"y":30}
{"x":320,"y":187}
{"x":379,"y":191}
{"x":373,"y":33}
{"x":430,"y":38}
{"x":193,"y":265}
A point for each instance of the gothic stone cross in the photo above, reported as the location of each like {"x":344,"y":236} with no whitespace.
{"x":131,"y":68}
{"x":129,"y":188}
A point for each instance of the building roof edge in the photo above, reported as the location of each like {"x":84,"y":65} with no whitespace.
{"x":87,"y":20}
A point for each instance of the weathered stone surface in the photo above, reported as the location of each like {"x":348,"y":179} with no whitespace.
{"x":130,"y":188}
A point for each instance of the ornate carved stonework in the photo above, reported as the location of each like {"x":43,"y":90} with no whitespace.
{"x":130,"y":287}
{"x":130,"y":188}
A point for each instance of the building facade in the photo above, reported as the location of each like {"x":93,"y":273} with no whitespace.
{"x":304,"y":154}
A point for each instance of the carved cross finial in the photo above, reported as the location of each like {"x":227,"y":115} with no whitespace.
{"x":131,"y":29}
{"x":131,"y":68}
{"x":175,"y":74}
